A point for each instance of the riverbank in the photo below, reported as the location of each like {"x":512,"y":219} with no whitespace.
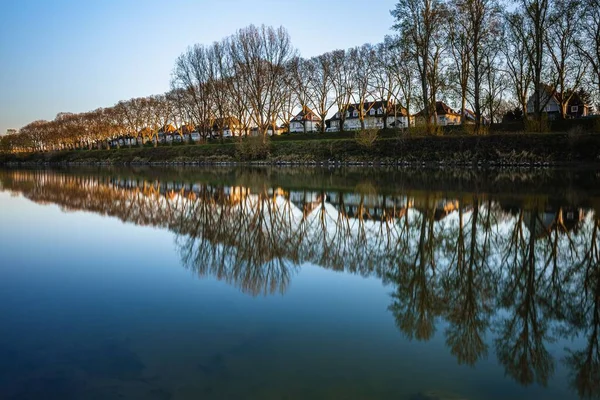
{"x":494,"y":150}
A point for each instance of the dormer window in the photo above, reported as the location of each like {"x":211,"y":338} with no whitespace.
{"x":337,"y":114}
{"x":380,"y":111}
{"x":372,"y":111}
{"x":574,"y":109}
{"x":355,"y":113}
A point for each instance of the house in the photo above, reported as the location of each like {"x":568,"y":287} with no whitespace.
{"x":189,"y":132}
{"x":577,"y":106}
{"x":551,"y":219}
{"x":551,"y":101}
{"x":377,"y":115}
{"x":228,"y":127}
{"x":305,"y":121}
{"x":278,"y":131}
{"x":445,"y":115}
{"x":470,"y":118}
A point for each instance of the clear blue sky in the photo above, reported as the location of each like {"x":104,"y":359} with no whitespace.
{"x":77,"y":55}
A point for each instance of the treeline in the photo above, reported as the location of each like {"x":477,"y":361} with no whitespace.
{"x":488,"y":56}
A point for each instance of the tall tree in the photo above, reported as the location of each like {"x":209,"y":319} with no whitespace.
{"x":534,"y":29}
{"x":589,"y":47}
{"x":321,"y":82}
{"x":421,"y":26}
{"x":343,"y":83}
{"x":518,"y":68}
{"x":259,"y":57}
{"x":563,"y":41}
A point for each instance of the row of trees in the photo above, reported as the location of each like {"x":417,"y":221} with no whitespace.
{"x":484,"y":55}
{"x":485,"y":52}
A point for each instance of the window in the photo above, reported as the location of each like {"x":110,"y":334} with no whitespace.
{"x":372,"y":112}
{"x":347,"y":114}
{"x":355,"y":113}
{"x":337,"y":114}
{"x":574,"y":109}
{"x":380,"y":111}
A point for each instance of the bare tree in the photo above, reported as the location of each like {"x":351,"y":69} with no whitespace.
{"x":321,"y":85}
{"x":342,"y":83}
{"x":563,"y":41}
{"x":362,"y":61}
{"x":515,"y":53}
{"x":589,"y":47}
{"x":259,"y":57}
{"x":403,"y":69}
{"x":421,"y":26}
{"x":534,"y":31}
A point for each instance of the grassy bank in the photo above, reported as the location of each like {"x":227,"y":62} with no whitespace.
{"x":501,"y":149}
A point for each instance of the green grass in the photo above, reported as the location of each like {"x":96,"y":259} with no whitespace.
{"x":513,"y":149}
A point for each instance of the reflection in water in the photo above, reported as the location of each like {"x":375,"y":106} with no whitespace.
{"x":507,"y":278}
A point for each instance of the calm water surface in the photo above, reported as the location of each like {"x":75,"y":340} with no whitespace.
{"x":295,"y":284}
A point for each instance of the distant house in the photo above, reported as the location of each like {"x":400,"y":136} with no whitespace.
{"x":189,"y":132}
{"x":377,"y":115}
{"x":228,"y":127}
{"x":278,"y":131}
{"x":551,"y":100}
{"x":305,"y":121}
{"x":470,"y":118}
{"x":445,"y":115}
{"x":564,"y":219}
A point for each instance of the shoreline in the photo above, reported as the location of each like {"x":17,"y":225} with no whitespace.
{"x":506,"y":150}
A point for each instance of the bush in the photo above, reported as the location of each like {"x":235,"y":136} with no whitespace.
{"x":422,"y":129}
{"x":575,"y":131}
{"x":366,"y":137}
{"x":469,"y":129}
{"x":542,"y":126}
{"x":253,"y":148}
{"x":596,"y":125}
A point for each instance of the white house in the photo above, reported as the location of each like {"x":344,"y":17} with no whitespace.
{"x":228,"y":127}
{"x":305,"y":121}
{"x":377,"y":115}
{"x":445,"y":115}
{"x":550,"y":100}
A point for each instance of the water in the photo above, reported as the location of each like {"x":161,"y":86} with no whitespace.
{"x":292,"y":284}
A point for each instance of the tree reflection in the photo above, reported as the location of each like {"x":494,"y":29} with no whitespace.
{"x":469,"y":282}
{"x":584,"y":364}
{"x":513,"y":275}
{"x":417,"y":301}
{"x":520,"y":345}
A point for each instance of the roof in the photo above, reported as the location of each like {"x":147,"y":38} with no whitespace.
{"x":391,"y":108}
{"x":225,"y":123}
{"x":306,"y":115}
{"x":441,"y":108}
{"x":188,"y":128}
{"x":167,"y":129}
{"x":575,"y":99}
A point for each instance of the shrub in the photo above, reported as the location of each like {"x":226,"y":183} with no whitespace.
{"x":596,"y":125}
{"x":575,"y":131}
{"x":253,"y":148}
{"x":421,"y":129}
{"x":366,"y":137}
{"x":469,"y":129}
{"x":542,"y":126}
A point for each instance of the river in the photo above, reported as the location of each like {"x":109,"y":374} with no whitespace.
{"x":266,"y":283}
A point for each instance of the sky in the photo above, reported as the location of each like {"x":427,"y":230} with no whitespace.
{"x":66,"y":55}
